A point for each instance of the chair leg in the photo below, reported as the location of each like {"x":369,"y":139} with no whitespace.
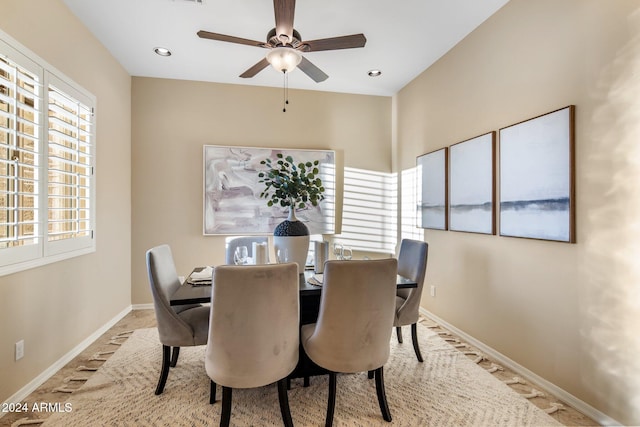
{"x":399,"y":334}
{"x":174,"y":356}
{"x":306,"y":381}
{"x":164,"y":372}
{"x":212,"y":393}
{"x":382,"y":397}
{"x":414,"y":338}
{"x":370,"y":374}
{"x":284,"y":403}
{"x":331,"y":403}
{"x":225,"y":417}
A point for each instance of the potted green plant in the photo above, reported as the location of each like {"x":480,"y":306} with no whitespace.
{"x":293,"y":185}
{"x":288,"y":184}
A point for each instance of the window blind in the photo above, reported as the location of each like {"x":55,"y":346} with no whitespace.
{"x":369,"y":211}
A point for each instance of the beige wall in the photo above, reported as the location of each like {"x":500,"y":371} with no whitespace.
{"x":567,"y":312}
{"x":53,"y":308}
{"x":172,"y":120}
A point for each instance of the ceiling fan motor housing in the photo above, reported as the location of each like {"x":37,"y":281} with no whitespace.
{"x":275,"y":40}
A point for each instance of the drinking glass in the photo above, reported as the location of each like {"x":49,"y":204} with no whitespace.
{"x":347,"y":253}
{"x":240,"y":255}
{"x":338,"y":250}
{"x":282,"y":256}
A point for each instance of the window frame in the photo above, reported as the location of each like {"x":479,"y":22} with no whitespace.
{"x":43,"y":252}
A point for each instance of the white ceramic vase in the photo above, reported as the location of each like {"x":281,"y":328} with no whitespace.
{"x":291,"y":241}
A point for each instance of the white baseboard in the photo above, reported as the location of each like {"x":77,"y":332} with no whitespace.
{"x":21,"y":394}
{"x":143,"y":307}
{"x":561,"y":394}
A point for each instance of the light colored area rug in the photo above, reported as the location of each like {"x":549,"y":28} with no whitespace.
{"x":448,"y":389}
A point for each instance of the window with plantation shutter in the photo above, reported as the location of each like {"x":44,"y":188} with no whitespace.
{"x":47,"y":154}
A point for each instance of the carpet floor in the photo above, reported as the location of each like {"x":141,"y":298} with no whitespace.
{"x":448,"y":389}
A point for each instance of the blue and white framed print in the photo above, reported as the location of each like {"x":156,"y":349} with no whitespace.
{"x":472,"y":185}
{"x":537,"y":196}
{"x":431,"y":173}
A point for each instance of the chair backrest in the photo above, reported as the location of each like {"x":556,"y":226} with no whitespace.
{"x":254,"y":324}
{"x":412,"y":264}
{"x":164,"y":281}
{"x":356,"y":314}
{"x":247,"y":241}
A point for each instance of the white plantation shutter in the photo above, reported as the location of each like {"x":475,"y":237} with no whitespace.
{"x":20,"y":130}
{"x":47,"y":157}
{"x":70,"y":167}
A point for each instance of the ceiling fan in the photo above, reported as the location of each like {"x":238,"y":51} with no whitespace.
{"x":286,"y":45}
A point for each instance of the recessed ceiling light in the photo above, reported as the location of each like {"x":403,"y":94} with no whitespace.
{"x":374,"y":73}
{"x":162,"y":51}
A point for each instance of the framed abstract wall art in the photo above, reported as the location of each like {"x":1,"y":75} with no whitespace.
{"x":472,"y":185}
{"x":232,"y":203}
{"x":537,"y":196}
{"x":431,"y":189}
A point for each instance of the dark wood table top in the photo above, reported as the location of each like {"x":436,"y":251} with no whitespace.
{"x":199,"y":294}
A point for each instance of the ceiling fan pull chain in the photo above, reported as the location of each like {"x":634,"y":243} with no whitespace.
{"x":285,"y":90}
{"x":286,"y":76}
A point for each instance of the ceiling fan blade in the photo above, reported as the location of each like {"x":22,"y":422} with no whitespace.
{"x":255,"y":69}
{"x":284,"y":11}
{"x":231,"y":39}
{"x":312,"y":71}
{"x":334,"y":43}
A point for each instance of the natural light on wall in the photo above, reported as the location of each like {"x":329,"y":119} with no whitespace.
{"x":369,"y":211}
{"x":611,"y":188}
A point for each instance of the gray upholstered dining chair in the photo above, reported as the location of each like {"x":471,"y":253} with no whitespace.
{"x":178,"y":326}
{"x":253,"y":331}
{"x":412,"y":264}
{"x":247,"y":241}
{"x":354,"y":323}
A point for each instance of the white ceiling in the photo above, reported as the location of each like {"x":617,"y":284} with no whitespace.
{"x":404,"y":37}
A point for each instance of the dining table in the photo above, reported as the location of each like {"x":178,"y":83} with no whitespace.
{"x":310,"y":293}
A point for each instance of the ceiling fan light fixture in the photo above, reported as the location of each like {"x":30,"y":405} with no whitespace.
{"x":284,"y":59}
